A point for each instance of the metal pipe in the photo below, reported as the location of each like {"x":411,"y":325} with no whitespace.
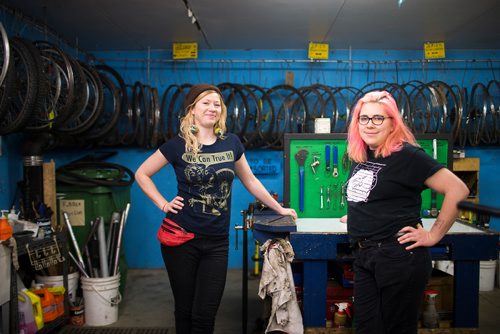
{"x":338,"y":61}
{"x":118,"y":243}
{"x":73,"y":239}
{"x":78,"y":265}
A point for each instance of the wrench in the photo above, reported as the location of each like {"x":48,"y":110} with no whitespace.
{"x":335,"y":161}
{"x":301,"y":156}
{"x":321,"y":206}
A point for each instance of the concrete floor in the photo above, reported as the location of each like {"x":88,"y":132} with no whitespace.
{"x":148,"y":302}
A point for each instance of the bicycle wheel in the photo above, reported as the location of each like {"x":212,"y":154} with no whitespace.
{"x":25,"y":100}
{"x":86,"y":118}
{"x":108,"y":117}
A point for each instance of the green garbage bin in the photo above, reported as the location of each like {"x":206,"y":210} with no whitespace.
{"x":85,"y":202}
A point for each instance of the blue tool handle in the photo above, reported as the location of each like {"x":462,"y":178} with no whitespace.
{"x":335,"y":155}
{"x":327,"y":158}
{"x":301,"y":189}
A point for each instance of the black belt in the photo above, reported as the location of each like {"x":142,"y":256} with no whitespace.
{"x":366,"y":243}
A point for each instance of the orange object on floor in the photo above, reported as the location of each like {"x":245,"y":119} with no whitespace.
{"x":58,"y":293}
{"x":48,"y":302}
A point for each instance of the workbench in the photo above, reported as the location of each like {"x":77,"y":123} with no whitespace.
{"x":315,"y":242}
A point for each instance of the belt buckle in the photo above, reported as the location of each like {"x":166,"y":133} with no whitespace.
{"x":361,"y":243}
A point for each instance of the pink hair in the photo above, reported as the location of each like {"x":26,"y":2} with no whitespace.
{"x":356,"y":147}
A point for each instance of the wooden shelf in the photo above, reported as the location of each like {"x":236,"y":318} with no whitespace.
{"x":467,"y":169}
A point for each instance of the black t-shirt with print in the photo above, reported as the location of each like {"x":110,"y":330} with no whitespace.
{"x":205,"y":183}
{"x":384,"y":194}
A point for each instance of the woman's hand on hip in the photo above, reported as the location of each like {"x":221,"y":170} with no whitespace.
{"x":419,"y":236}
{"x":174,"y":205}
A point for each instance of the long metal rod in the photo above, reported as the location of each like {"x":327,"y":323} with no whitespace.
{"x":337,"y":61}
{"x":118,"y":243}
{"x":73,"y":239}
{"x":78,"y":265}
{"x":101,"y":237}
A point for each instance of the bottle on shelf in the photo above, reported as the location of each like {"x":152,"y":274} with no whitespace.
{"x":47,"y":300}
{"x":27,"y":323}
{"x":37,"y":307}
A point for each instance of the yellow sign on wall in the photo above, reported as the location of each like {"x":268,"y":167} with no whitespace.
{"x":185,"y":51}
{"x":434,"y":50}
{"x":318,"y":51}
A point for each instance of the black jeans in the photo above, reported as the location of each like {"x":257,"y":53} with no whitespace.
{"x":197,"y":272}
{"x":389,"y":283}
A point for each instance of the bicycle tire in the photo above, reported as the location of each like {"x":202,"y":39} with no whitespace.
{"x":5,"y":52}
{"x":59,"y":109}
{"x":267,"y":117}
{"x":114,"y":135}
{"x":108,"y":117}
{"x":80,"y":123}
{"x":24,"y":99}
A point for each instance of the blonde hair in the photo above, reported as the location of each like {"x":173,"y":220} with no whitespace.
{"x":356,"y":147}
{"x":187,"y":121}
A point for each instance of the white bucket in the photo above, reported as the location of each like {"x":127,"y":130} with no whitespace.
{"x":52,"y":281}
{"x":487,"y":275}
{"x":498,"y":272}
{"x":101,"y":297}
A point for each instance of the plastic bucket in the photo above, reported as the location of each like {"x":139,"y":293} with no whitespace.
{"x":487,"y":275}
{"x":53,"y":281}
{"x":498,"y":272}
{"x":102,"y":297}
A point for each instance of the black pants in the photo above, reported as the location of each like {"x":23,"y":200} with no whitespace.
{"x":197,"y":272}
{"x":389,"y":282}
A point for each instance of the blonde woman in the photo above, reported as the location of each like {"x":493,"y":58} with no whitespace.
{"x":194,"y":235}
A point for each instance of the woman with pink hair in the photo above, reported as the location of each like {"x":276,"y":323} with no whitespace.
{"x":389,"y":171}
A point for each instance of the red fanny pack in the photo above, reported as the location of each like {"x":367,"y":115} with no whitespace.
{"x":171,"y":234}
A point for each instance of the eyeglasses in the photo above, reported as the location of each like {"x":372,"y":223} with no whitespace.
{"x":376,"y":119}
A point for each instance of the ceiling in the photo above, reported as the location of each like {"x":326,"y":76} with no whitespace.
{"x":100,"y":25}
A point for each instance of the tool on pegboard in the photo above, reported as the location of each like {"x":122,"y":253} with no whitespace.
{"x":346,"y":163}
{"x":328,"y":200}
{"x":301,"y":156}
{"x":314,"y":164}
{"x":321,"y":202}
{"x":342,"y":203}
{"x":327,"y":157}
{"x":335,"y":161}
{"x":335,"y":191}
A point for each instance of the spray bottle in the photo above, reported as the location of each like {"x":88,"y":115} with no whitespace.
{"x":340,"y":317}
{"x":430,"y":317}
{"x":13,"y":216}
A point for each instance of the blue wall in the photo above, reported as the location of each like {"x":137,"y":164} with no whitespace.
{"x":489,"y":180}
{"x":141,"y":247}
{"x":265,"y":68}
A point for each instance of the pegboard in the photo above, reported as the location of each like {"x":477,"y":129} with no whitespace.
{"x":323,"y":190}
